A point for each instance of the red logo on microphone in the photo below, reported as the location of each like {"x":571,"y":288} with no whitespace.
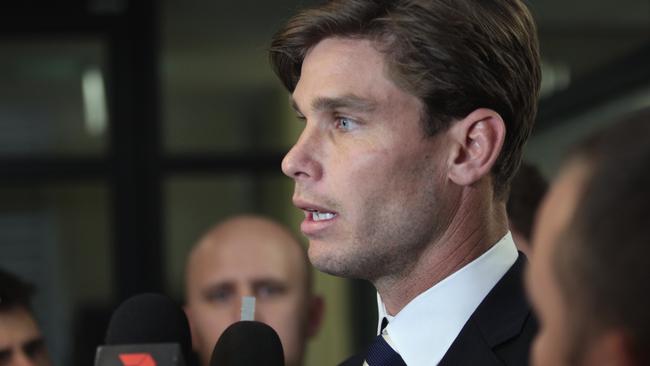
{"x":137,"y":359}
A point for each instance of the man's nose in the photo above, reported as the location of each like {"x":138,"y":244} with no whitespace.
{"x":302,"y":161}
{"x":236,"y":311}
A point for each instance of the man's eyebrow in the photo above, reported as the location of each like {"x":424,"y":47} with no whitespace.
{"x":217,"y":286}
{"x":348,"y":101}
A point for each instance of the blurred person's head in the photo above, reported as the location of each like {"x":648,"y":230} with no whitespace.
{"x":527,"y":190}
{"x":589,"y":275}
{"x":21,"y":341}
{"x":251,"y":256}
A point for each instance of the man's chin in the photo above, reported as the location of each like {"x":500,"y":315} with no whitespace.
{"x":332,"y":264}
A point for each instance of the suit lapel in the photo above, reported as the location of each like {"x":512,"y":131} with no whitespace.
{"x":470,"y":349}
{"x":500,"y":317}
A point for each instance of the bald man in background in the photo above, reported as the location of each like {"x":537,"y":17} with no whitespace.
{"x":251,"y":256}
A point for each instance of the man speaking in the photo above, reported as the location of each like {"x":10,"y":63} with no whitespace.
{"x":415,"y":115}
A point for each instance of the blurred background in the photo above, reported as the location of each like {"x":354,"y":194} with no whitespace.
{"x":129,"y":127}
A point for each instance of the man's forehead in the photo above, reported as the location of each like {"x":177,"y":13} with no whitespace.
{"x":352,"y":61}
{"x":17,"y":324}
{"x":556,"y":213}
{"x":565,"y":194}
{"x":249,"y":248}
{"x":244,"y":262}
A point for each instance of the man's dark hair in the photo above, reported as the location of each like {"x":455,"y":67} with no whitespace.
{"x":455,"y":55}
{"x":603,"y":260}
{"x":527,"y":190}
{"x":14,"y":292}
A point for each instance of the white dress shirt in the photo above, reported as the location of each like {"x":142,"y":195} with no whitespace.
{"x":425,"y":328}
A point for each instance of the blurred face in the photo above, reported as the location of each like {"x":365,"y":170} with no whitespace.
{"x":21,"y":342}
{"x":554,"y":344}
{"x":366,"y":176}
{"x":248,"y":263}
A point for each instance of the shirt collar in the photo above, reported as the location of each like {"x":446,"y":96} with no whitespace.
{"x":425,"y":328}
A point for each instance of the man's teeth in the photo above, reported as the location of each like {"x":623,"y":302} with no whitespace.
{"x":319,"y":216}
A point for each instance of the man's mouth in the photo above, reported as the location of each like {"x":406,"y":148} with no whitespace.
{"x":320,"y":215}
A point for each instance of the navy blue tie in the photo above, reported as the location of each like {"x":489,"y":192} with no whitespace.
{"x":380,"y":353}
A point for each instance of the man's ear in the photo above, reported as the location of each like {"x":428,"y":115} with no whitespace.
{"x":477,"y":140}
{"x":315,"y":315}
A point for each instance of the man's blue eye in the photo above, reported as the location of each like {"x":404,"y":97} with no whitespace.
{"x":344,"y":123}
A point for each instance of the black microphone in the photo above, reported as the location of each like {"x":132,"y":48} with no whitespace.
{"x":146,"y":330}
{"x":248,"y":343}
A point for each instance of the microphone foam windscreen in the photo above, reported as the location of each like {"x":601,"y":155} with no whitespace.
{"x":149,"y":318}
{"x":248,"y":343}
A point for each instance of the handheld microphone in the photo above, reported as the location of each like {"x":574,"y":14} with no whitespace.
{"x":146,"y":330}
{"x":248,"y":343}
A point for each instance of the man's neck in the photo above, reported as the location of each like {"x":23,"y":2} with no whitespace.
{"x":475,"y":227}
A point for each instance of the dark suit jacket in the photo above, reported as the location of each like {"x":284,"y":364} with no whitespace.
{"x":499,"y":332}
